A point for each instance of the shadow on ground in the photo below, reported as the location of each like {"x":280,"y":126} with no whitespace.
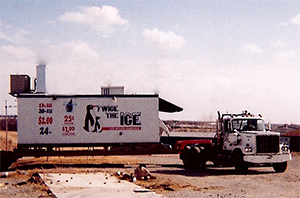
{"x":50,"y":166}
{"x":171,"y":169}
{"x":200,"y":172}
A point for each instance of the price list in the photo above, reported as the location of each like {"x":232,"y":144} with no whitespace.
{"x":45,"y":119}
{"x":68,"y":128}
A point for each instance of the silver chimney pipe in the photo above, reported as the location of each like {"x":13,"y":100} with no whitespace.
{"x":41,"y":79}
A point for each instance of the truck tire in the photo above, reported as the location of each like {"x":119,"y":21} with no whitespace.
{"x":190,"y":156}
{"x":194,"y":157}
{"x":184,"y":156}
{"x":280,"y":167}
{"x":203,"y":158}
{"x":238,"y":162}
{"x":184,"y":153}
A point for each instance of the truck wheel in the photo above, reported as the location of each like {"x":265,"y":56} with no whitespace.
{"x":280,"y":167}
{"x":194,"y":157}
{"x":184,"y":156}
{"x":238,"y":161}
{"x":190,"y":156}
{"x":202,"y":158}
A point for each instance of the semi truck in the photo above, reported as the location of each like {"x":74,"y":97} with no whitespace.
{"x":114,"y":123}
{"x":241,"y":140}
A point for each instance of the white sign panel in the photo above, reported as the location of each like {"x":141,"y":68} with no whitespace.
{"x":87,"y":120}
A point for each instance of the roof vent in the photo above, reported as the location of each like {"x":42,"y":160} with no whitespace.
{"x":112,"y":90}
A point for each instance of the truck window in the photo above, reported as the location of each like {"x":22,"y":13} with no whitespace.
{"x":248,"y":124}
{"x":227,"y":126}
{"x":261,"y":125}
{"x":237,"y":124}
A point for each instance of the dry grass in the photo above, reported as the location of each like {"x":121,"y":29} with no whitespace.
{"x":12,"y":143}
{"x":12,"y":140}
{"x":74,"y":161}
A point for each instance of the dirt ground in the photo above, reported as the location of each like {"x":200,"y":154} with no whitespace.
{"x":172,"y":180}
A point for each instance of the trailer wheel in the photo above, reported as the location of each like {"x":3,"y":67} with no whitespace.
{"x":280,"y":167}
{"x":238,"y":162}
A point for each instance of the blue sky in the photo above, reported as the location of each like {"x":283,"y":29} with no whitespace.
{"x":205,"y":56}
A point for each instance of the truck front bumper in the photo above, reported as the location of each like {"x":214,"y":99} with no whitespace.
{"x":268,"y":158}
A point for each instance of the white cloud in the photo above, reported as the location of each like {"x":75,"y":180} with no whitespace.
{"x":296,"y":20}
{"x":13,"y":52}
{"x":285,"y":56}
{"x":103,"y":18}
{"x":14,"y":36}
{"x":283,"y":24}
{"x":5,"y":37}
{"x":164,"y":39}
{"x":52,"y":22}
{"x":252,"y":48}
{"x":71,"y":66}
{"x":279,"y":44}
{"x":75,"y":48}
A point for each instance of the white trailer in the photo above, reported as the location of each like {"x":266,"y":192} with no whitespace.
{"x":87,"y":120}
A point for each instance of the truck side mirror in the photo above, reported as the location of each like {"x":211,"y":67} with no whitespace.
{"x":268,"y":127}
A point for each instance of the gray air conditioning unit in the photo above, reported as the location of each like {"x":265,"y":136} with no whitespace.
{"x":19,"y":84}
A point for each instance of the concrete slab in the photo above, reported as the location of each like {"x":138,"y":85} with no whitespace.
{"x":94,"y":185}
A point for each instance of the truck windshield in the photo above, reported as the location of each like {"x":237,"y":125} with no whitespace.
{"x":248,"y":124}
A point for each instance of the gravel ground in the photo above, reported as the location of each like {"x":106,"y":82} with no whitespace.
{"x":172,"y":180}
{"x":221,"y":182}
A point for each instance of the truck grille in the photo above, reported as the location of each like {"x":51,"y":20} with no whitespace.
{"x":267,"y":144}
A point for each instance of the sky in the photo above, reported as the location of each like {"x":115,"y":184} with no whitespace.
{"x":204,"y":56}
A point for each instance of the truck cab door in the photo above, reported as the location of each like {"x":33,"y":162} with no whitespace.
{"x":231,"y":137}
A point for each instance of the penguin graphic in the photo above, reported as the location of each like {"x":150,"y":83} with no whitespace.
{"x":97,"y":125}
{"x":89,"y":119}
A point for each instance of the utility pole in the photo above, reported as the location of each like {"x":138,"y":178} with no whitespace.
{"x":6,"y":124}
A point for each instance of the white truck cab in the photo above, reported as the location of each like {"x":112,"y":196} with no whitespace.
{"x":246,"y":137}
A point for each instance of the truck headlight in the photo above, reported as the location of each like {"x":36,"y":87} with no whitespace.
{"x":284,"y":148}
{"x":248,"y":149}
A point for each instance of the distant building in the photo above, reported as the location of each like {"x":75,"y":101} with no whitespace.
{"x":11,"y":123}
{"x":294,"y":139}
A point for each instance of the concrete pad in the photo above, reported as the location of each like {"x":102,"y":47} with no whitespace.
{"x":93,"y":185}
